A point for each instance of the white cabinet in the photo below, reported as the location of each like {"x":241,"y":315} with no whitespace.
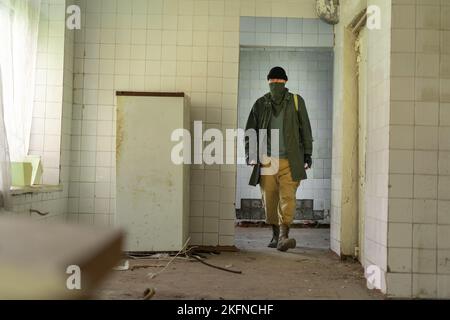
{"x":152,"y":191}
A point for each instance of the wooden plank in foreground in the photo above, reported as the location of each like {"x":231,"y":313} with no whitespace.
{"x":34,"y":258}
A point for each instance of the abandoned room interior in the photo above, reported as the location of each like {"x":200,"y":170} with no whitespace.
{"x":113,"y":116}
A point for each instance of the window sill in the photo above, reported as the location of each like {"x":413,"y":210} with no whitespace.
{"x":16,"y":191}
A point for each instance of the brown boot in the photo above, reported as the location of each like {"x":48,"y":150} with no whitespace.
{"x":284,"y":244}
{"x":276,"y":235}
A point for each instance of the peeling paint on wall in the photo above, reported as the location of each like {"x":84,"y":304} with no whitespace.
{"x":328,"y":10}
{"x":120,"y":132}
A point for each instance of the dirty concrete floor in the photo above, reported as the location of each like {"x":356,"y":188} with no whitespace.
{"x":310,"y":271}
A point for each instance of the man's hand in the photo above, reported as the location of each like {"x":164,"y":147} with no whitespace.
{"x":252,"y":163}
{"x":308,"y":161}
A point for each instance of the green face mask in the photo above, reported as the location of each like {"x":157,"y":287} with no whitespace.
{"x":277,"y":90}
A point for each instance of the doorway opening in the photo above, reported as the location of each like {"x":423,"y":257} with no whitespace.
{"x":310,"y":72}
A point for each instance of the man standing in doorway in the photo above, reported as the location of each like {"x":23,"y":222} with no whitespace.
{"x":286,"y":112}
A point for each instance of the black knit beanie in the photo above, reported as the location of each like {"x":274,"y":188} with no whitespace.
{"x":277,"y":73}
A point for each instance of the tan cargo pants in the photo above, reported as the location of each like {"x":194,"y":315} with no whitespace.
{"x":279,"y":193}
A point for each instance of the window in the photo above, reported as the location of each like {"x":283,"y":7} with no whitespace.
{"x":19,"y":25}
{"x":32,"y":67}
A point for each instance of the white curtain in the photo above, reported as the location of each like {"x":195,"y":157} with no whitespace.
{"x":19,"y":29}
{"x":5,"y":179}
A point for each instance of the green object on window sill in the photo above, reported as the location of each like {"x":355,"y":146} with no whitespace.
{"x":21,"y":174}
{"x":36,"y":163}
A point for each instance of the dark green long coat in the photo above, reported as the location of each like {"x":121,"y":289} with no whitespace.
{"x":297,"y":133}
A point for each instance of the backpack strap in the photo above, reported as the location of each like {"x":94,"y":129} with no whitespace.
{"x":296,"y":102}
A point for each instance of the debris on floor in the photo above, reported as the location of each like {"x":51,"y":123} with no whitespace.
{"x":124,"y":267}
{"x":326,"y":275}
{"x":215,"y":267}
{"x":193,"y":254}
{"x":149,"y":293}
{"x":145,"y":266}
{"x":181,"y":252}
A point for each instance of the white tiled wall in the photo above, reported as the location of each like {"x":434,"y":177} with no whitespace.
{"x":377,"y":154}
{"x":67,"y":107}
{"x":419,"y":197}
{"x":377,"y":157}
{"x":53,"y":203}
{"x":285,"y":32}
{"x":155,"y":45}
{"x":310,"y":75}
